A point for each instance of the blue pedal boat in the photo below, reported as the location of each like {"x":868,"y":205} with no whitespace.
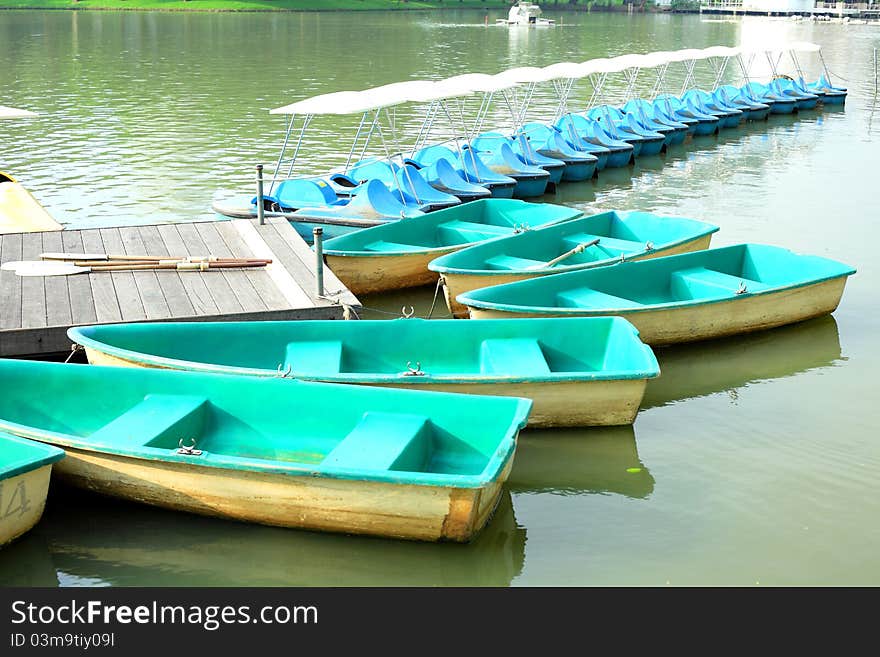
{"x":470,"y":166}
{"x":787,"y":87}
{"x":443,"y":176}
{"x":371,"y":205}
{"x":779,"y":103}
{"x":707,"y":124}
{"x":834,"y":95}
{"x":406,"y":180}
{"x":728,"y":116}
{"x":530,"y":180}
{"x":646,"y":115}
{"x":583,"y":161}
{"x":588,"y":131}
{"x":615,"y":123}
{"x":491,"y":142}
{"x":735,"y":97}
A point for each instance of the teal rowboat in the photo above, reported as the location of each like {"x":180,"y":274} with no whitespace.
{"x":591,"y":241}
{"x":396,"y":255}
{"x":25,"y":469}
{"x":397,"y":463}
{"x":681,"y":298}
{"x":579,"y":372}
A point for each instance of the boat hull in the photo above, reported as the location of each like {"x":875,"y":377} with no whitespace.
{"x":652,"y":146}
{"x":759,"y":114}
{"x":578,"y":171}
{"x":455,"y":284}
{"x":23,"y":498}
{"x":807,"y":103}
{"x":564,"y":403}
{"x":706,"y":321}
{"x":20,"y":212}
{"x":427,"y":513}
{"x":705,"y":128}
{"x":555,"y":403}
{"x":834,"y":98}
{"x":369,"y":274}
{"x":783,"y":107}
{"x":530,"y":187}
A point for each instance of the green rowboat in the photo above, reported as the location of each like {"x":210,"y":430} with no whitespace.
{"x":579,"y":372}
{"x":592,"y":241}
{"x":395,"y":463}
{"x":25,"y":470}
{"x":681,"y":298}
{"x":395,"y":255}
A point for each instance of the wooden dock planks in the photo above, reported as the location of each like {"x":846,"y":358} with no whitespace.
{"x":35,"y":312}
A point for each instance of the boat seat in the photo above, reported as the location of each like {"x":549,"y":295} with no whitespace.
{"x":512,"y":263}
{"x":700,"y":282}
{"x":513,"y":356}
{"x":313,"y":357}
{"x":394,"y":247}
{"x":588,"y":298}
{"x":385,"y":441}
{"x":157,"y":421}
{"x":456,"y":232}
{"x":613,"y":243}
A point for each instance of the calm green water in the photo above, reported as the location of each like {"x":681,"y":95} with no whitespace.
{"x":754,"y":460}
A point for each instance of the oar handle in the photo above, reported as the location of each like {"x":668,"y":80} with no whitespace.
{"x":578,"y":249}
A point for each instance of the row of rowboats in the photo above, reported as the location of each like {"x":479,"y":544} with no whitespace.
{"x":408,"y":428}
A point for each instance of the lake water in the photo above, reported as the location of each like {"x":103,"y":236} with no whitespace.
{"x":753,"y":461}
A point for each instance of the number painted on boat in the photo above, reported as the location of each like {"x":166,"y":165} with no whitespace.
{"x":15,"y":502}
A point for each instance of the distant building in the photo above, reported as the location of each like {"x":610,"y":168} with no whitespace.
{"x":763,"y":6}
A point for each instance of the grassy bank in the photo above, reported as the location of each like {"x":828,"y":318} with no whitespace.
{"x":291,"y":5}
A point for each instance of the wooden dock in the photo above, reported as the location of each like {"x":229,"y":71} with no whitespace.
{"x":35,"y":312}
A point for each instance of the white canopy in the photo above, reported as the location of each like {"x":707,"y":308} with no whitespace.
{"x":13,"y":113}
{"x":387,"y":95}
{"x":357,"y":102}
{"x":525,"y":75}
{"x":338,"y":102}
{"x":623,"y":62}
{"x":566,"y":70}
{"x":720,"y":51}
{"x":686,"y":55}
{"x":473,"y":82}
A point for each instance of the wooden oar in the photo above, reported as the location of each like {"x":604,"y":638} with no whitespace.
{"x":105,"y":257}
{"x":578,"y":249}
{"x":58,"y":268}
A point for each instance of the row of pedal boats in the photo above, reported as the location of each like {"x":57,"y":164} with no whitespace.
{"x":401,"y":428}
{"x":529,"y":161}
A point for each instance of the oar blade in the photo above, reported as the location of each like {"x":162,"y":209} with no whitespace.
{"x":48,"y":268}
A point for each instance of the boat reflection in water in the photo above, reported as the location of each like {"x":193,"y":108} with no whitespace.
{"x":597,"y":460}
{"x":28,"y":561}
{"x":89,"y":538}
{"x":704,"y":368}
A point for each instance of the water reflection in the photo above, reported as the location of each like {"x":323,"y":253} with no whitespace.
{"x":701,"y":369}
{"x":27,"y":562}
{"x":574,"y":461}
{"x":85,"y":537}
